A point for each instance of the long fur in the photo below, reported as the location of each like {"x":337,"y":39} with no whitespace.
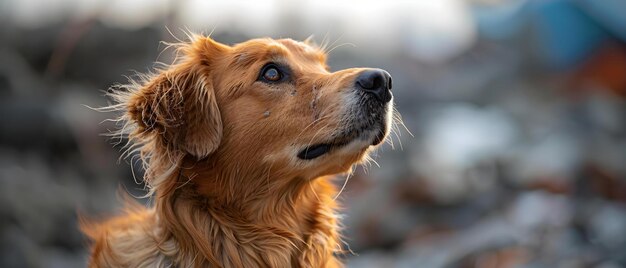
{"x":220,"y":198}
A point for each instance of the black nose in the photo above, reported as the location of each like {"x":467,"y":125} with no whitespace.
{"x":376,"y":82}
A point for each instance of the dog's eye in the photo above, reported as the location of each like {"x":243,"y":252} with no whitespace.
{"x":271,"y":73}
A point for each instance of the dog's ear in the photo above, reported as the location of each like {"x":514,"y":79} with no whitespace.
{"x":177,"y":107}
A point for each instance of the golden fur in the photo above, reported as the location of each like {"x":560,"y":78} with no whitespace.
{"x":219,"y":147}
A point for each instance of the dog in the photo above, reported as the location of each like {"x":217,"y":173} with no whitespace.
{"x":239,"y":146}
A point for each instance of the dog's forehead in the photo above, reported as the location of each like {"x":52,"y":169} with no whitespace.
{"x":297,"y":46}
{"x":305,"y":50}
{"x":282,"y":48}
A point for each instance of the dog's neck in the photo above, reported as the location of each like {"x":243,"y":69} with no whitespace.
{"x":213,"y":210}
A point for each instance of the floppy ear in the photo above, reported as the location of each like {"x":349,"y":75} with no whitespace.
{"x":177,"y":107}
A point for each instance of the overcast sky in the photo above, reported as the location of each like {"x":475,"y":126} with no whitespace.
{"x":430,"y":30}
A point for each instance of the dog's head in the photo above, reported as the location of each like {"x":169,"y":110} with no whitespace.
{"x":263,"y":103}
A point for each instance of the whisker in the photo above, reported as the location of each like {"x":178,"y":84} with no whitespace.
{"x":311,"y":124}
{"x":325,"y":40}
{"x":345,"y":182}
{"x":334,"y":42}
{"x":395,"y":131}
{"x":374,"y":161}
{"x":315,"y":135}
{"x":398,"y":117}
{"x":341,"y":45}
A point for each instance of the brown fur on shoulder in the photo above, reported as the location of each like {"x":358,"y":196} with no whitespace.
{"x":239,"y":144}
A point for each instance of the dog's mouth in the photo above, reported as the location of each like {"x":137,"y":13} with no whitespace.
{"x":376,"y":134}
{"x":314,"y":151}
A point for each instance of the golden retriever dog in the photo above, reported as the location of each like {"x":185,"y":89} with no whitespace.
{"x":239,"y":145}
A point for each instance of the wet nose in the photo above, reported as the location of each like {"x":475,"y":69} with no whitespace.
{"x":376,"y":82}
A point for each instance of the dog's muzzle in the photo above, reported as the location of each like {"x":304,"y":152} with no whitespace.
{"x":373,"y":88}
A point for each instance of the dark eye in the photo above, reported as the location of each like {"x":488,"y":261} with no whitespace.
{"x":271,"y":73}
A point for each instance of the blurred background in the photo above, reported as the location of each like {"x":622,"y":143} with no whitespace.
{"x":517,"y":110}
